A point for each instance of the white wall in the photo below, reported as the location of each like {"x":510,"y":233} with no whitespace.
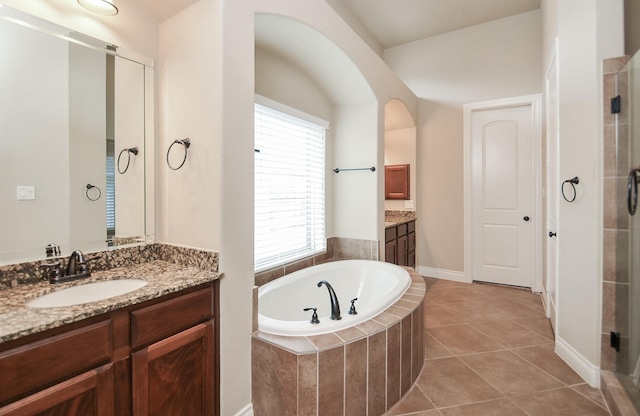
{"x":588,"y":31}
{"x":494,"y":60}
{"x":190,"y":99}
{"x":280,"y":80}
{"x":355,"y":196}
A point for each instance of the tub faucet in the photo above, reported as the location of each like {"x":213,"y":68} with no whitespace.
{"x":335,"y":306}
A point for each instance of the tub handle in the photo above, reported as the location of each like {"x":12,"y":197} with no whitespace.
{"x":314,"y":317}
{"x":352,"y":309}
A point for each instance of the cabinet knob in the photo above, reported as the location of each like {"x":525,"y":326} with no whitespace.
{"x":526,"y":218}
{"x":552,"y":234}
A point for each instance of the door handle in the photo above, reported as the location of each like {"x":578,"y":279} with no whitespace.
{"x":526,"y":218}
{"x":552,"y":234}
{"x":632,"y":190}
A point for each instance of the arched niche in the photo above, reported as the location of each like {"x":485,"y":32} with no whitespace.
{"x":400,"y":149}
{"x":309,"y":72}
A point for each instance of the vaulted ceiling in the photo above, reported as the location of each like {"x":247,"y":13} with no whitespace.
{"x":394,"y":22}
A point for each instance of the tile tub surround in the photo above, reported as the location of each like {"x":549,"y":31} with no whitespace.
{"x":363,"y":370}
{"x":164,"y":277}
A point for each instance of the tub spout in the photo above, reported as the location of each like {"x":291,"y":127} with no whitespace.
{"x":335,"y":306}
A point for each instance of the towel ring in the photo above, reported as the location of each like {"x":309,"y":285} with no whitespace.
{"x":133,"y":150}
{"x":184,"y":143}
{"x":90,"y":187}
{"x":573,"y":182}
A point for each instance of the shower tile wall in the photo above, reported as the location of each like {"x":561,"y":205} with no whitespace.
{"x":615,"y":262}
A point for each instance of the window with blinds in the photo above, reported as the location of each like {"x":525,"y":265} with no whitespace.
{"x":289,"y":188}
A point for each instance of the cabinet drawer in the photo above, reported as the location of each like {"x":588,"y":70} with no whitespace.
{"x":402,"y":229}
{"x":390,"y":234}
{"x":33,"y":366}
{"x":164,"y":319}
{"x":411,"y":226}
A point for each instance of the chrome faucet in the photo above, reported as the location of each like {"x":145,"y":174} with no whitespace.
{"x":335,"y":306}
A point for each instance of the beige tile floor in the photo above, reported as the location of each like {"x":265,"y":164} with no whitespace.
{"x":489,"y":352}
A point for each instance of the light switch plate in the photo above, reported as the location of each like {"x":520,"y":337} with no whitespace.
{"x":26,"y":193}
{"x":408,"y":203}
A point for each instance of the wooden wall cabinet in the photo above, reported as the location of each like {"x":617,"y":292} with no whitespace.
{"x":396,"y":182}
{"x":157,"y":358}
{"x":400,"y":244}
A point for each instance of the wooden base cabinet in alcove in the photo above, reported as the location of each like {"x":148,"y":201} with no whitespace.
{"x":400,"y":244}
{"x":157,"y":358}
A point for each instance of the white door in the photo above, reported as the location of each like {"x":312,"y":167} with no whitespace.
{"x":502,"y":195}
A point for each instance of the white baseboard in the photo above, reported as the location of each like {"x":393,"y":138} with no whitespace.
{"x":545,"y":301}
{"x":589,"y":372}
{"x":246,"y":411}
{"x":442,"y":274}
{"x":635,"y":376}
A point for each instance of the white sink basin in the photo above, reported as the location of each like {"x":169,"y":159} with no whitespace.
{"x":91,"y":292}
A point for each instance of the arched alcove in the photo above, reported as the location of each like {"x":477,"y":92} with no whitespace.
{"x":309,"y":72}
{"x":400,"y":149}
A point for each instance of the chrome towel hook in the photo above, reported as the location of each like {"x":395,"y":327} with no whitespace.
{"x":184,"y":143}
{"x":133,"y":150}
{"x":90,"y":187}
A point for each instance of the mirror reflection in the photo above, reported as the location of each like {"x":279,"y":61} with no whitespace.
{"x":70,"y":116}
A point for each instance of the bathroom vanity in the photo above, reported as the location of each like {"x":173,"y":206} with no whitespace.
{"x":400,"y":242}
{"x":151,"y":351}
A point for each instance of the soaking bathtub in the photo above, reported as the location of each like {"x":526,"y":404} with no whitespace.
{"x":376,"y":285}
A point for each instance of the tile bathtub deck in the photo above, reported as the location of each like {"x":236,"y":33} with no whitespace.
{"x":489,"y":352}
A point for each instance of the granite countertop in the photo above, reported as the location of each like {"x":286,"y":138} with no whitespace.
{"x":164,"y":278}
{"x":393,"y":221}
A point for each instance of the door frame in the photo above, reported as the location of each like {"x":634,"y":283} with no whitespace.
{"x":534,"y":101}
{"x":552,"y":182}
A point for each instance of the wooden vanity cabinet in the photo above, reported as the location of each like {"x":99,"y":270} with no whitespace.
{"x":156,"y":358}
{"x":391,"y":245}
{"x":174,"y":375}
{"x":400,"y":244}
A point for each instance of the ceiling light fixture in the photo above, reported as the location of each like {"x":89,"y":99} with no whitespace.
{"x":105,"y":7}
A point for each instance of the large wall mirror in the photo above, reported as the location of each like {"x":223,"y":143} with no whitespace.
{"x":76,"y":141}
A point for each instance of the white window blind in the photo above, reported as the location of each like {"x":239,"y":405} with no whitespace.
{"x":289,"y":188}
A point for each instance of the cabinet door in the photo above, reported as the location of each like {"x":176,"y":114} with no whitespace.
{"x":175,"y":376}
{"x":88,"y":394}
{"x":390,"y":252}
{"x":403,"y":250}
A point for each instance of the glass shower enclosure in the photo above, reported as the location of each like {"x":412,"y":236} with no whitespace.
{"x":622,"y":288}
